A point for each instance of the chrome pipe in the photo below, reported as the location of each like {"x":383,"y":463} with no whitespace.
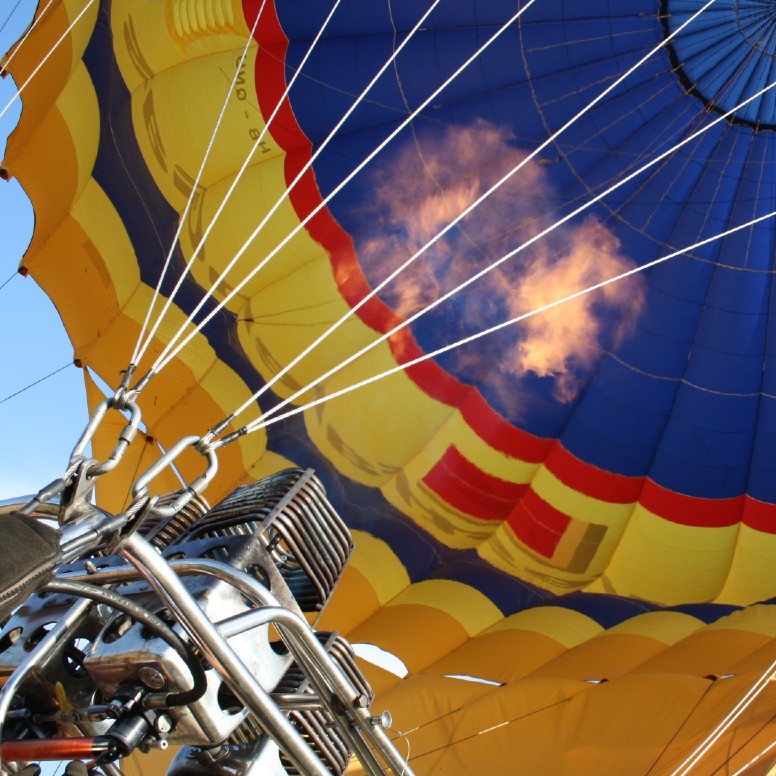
{"x":308,"y":652}
{"x":50,"y":642}
{"x":304,"y":646}
{"x":141,"y":554}
{"x":318,"y":665}
{"x":297,"y":701}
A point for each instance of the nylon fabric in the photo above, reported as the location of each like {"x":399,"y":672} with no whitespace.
{"x":587,"y":496}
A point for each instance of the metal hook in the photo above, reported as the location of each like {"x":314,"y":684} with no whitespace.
{"x":140,"y":488}
{"x":124,"y":402}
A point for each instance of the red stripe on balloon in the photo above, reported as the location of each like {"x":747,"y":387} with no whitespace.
{"x":691,"y":510}
{"x":470,"y":490}
{"x":538,"y":525}
{"x":590,"y":480}
{"x":759,"y":515}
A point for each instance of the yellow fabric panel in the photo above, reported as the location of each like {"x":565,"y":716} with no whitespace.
{"x":756,"y":660}
{"x":111,"y":255}
{"x":708,"y":652}
{"x":177,"y":103}
{"x":479,"y":722}
{"x":44,"y":88}
{"x":152,"y":37}
{"x":667,"y":627}
{"x":277,"y":324}
{"x":425,"y":708}
{"x":418,"y":635}
{"x":757,"y":619}
{"x":54,"y":276}
{"x":353,"y":602}
{"x":395,"y":420}
{"x":501,"y":656}
{"x":608,"y":656}
{"x":376,"y":560}
{"x":557,"y":727}
{"x":662,"y":561}
{"x":473,"y":610}
{"x":743,"y":741}
{"x":78,"y":106}
{"x":565,"y":626}
{"x":751,"y":571}
{"x":55,"y":161}
{"x":263,"y":185}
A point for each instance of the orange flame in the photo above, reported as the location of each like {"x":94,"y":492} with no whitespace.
{"x":429,"y":183}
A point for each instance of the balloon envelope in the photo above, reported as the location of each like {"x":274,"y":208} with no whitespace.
{"x":585,"y":495}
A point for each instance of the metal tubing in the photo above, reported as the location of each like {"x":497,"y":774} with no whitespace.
{"x":50,"y":642}
{"x":297,"y":701}
{"x":34,"y":749}
{"x":163,"y":579}
{"x":310,"y":653}
{"x":140,"y":488}
{"x":293,"y":625}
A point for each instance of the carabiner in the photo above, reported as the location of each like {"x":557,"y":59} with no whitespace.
{"x":125,"y":437}
{"x":140,"y":488}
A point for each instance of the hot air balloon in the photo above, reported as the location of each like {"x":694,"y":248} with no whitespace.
{"x":564,"y":528}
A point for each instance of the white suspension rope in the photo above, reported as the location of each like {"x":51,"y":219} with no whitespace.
{"x":757,"y":757}
{"x":26,"y":35}
{"x":293,"y":184}
{"x":138,"y":352}
{"x":749,"y":698}
{"x":164,"y":360}
{"x":446,"y":229}
{"x":447,"y":295}
{"x":264,"y":421}
{"x":259,"y":140}
{"x":45,"y":59}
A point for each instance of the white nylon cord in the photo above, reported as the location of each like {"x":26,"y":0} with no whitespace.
{"x":26,"y":35}
{"x":45,"y":59}
{"x":263,"y":422}
{"x":293,"y":184}
{"x":163,"y":360}
{"x":731,"y":717}
{"x":259,"y":140}
{"x":508,"y":256}
{"x":444,"y":231}
{"x":138,"y":352}
{"x":751,"y":762}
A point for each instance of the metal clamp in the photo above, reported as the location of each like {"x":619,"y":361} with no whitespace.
{"x":125,"y":437}
{"x":140,"y":488}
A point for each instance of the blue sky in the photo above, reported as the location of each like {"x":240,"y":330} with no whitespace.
{"x":41,"y":425}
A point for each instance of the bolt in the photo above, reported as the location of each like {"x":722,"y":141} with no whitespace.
{"x":152,"y":678}
{"x":385,"y":720}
